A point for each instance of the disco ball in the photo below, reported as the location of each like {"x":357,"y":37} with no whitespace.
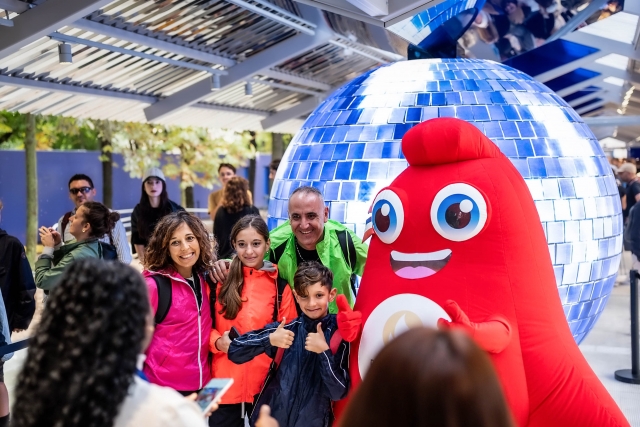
{"x":349,"y":148}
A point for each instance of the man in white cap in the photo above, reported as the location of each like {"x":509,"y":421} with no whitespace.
{"x":81,"y":190}
{"x":627,"y":172}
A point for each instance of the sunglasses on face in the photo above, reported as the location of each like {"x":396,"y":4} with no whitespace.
{"x":84,"y":190}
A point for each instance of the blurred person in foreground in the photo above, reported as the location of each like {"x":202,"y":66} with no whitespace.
{"x":83,"y":365}
{"x":16,"y":311}
{"x":427,"y":378}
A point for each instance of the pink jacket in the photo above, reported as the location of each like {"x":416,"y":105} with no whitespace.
{"x":177,"y":355}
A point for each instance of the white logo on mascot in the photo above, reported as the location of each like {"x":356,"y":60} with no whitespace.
{"x":391,"y":318}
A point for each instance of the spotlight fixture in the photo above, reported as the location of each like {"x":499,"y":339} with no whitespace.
{"x":248,"y":89}
{"x":216,"y":82}
{"x":64,"y":53}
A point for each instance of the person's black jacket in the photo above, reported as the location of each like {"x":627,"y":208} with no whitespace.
{"x":222,"y":225}
{"x":304,"y":385}
{"x":141,"y":230}
{"x":632,"y":231}
{"x":16,"y":282}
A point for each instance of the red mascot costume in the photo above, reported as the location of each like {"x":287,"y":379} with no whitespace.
{"x":457,"y":243}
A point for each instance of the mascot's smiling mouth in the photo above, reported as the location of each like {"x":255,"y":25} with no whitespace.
{"x":420,"y":265}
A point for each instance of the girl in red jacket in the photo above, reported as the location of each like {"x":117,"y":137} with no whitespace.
{"x":246,"y":301}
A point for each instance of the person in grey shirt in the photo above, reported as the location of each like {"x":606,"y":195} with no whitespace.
{"x":81,"y":190}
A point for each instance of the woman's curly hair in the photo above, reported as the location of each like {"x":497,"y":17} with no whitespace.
{"x":235,"y":195}
{"x":82,"y":359}
{"x":157,"y":255}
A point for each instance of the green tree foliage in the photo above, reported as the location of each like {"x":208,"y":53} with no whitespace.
{"x":192,"y":154}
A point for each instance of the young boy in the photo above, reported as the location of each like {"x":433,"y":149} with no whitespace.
{"x":309,"y":376}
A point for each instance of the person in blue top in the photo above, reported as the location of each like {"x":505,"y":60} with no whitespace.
{"x":310,"y":376}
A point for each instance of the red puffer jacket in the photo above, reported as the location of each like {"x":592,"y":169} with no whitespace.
{"x":177,"y":355}
{"x":258,"y":296}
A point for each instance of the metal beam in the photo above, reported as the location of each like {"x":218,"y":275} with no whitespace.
{"x":577,"y":19}
{"x":632,"y":7}
{"x":112,"y":94}
{"x":268,"y":58}
{"x":40,"y":21}
{"x":592,"y":106}
{"x":305,"y":107}
{"x":604,"y":44}
{"x":76,"y":90}
{"x":612,"y":121}
{"x":152,"y":42}
{"x":566,"y":68}
{"x":157,"y":58}
{"x":295,"y":79}
{"x":588,"y":97}
{"x":14,"y":6}
{"x":576,"y":87}
{"x":279,"y":15}
{"x":629,"y":76}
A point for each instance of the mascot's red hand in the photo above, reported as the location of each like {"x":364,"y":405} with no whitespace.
{"x":492,"y":335}
{"x":349,"y":321}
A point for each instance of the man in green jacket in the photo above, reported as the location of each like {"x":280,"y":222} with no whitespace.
{"x":309,"y":235}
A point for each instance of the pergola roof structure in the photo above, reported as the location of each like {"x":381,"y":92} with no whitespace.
{"x":192,"y":62}
{"x":183,"y":62}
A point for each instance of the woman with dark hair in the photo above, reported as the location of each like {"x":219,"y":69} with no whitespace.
{"x":428,"y":377}
{"x":80,"y":370}
{"x":154,"y":204}
{"x":179,"y":256}
{"x":91,"y":221}
{"x":247,"y":300}
{"x":235,"y":205}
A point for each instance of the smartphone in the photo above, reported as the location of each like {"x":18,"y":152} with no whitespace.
{"x":212,"y":392}
{"x":233,"y":333}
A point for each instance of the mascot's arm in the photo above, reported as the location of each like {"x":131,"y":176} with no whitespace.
{"x":492,"y":335}
{"x":349,"y":321}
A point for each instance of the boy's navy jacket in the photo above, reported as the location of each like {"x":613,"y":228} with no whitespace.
{"x":305,"y":383}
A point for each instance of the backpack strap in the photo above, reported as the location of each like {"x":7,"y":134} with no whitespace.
{"x":65,"y":222}
{"x":349,"y":253}
{"x":276,"y":253}
{"x":281,"y":284}
{"x":163,"y":284}
{"x":336,"y":339}
{"x":213,"y":286}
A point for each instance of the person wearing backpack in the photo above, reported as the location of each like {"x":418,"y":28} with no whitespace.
{"x":309,"y":235}
{"x":175,"y":268}
{"x":251,"y":297}
{"x":91,"y":221}
{"x":81,"y":190}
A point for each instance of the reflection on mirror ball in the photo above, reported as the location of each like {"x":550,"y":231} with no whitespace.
{"x":349,"y":148}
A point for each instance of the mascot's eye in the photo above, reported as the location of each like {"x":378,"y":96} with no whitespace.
{"x":387,"y":216}
{"x":458,"y":212}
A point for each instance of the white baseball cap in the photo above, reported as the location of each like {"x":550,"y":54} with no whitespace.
{"x":153,"y":172}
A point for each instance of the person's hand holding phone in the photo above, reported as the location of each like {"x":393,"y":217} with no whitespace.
{"x":46,"y":237}
{"x":282,"y":337}
{"x":212,"y":408}
{"x":223,"y":342}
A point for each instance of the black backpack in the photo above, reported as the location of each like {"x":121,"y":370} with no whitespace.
{"x":163,"y":284}
{"x":348,"y":252}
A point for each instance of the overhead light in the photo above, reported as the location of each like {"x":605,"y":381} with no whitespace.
{"x":216,"y":82}
{"x":64,"y":53}
{"x":248,"y":89}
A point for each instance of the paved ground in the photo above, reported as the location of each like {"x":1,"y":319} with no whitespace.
{"x":607,"y":349}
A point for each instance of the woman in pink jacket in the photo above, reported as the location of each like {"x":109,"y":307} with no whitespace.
{"x":176,"y":261}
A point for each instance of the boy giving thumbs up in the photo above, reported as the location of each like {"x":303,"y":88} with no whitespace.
{"x":311,"y":370}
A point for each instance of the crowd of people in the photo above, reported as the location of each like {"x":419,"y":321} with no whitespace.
{"x":512,"y":27}
{"x":272,"y":310}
